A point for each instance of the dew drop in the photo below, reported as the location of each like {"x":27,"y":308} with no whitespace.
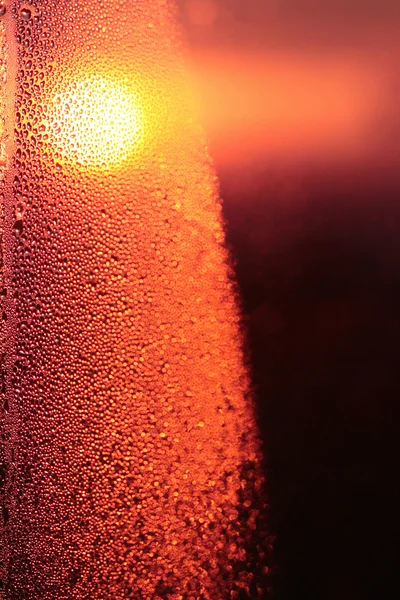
{"x":18,"y":227}
{"x":19,"y":211}
{"x":26,"y":13}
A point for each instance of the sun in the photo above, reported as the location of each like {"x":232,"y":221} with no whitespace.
{"x":95,"y":123}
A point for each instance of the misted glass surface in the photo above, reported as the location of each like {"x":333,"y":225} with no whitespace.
{"x":131,"y":462}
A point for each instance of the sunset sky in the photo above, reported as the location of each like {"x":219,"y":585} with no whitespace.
{"x":296,"y":79}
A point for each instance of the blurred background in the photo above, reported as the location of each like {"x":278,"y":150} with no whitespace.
{"x":300,"y":100}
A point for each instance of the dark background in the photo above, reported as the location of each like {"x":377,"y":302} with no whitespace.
{"x":316,"y":245}
{"x":317,"y":259}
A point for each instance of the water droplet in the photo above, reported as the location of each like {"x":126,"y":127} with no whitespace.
{"x":19,"y":211}
{"x":26,"y":14}
{"x":18,"y":227}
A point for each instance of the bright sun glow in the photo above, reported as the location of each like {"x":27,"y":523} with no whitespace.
{"x":95,"y":123}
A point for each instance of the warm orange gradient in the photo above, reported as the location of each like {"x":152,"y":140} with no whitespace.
{"x":134,"y":466}
{"x":288,"y":107}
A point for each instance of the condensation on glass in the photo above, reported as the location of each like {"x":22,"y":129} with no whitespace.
{"x":131,"y":465}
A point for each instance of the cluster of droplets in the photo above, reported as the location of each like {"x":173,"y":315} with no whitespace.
{"x":94,"y":123}
{"x":137,"y":467}
{"x":6,"y":422}
{"x":3,"y":100}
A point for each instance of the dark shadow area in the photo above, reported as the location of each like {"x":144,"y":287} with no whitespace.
{"x":318,"y":263}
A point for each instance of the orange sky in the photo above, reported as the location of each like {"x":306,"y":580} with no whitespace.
{"x":292,"y":80}
{"x":288,"y":106}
